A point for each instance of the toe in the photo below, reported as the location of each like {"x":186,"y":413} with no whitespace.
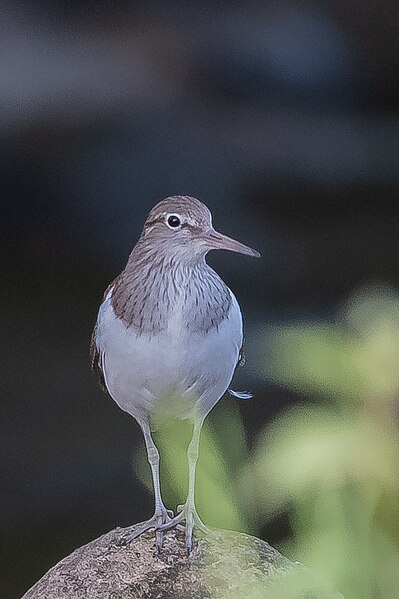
{"x":159,"y":540}
{"x":161,"y":520}
{"x":201,"y":526}
{"x":173,"y":522}
{"x":138,"y":530}
{"x":189,"y":532}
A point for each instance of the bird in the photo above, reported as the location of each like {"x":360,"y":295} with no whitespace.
{"x":168,"y":338}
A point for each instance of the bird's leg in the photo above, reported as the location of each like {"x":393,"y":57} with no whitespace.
{"x":188,"y":511}
{"x":161,"y":514}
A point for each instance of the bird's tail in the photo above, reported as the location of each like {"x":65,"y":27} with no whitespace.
{"x":240,"y":394}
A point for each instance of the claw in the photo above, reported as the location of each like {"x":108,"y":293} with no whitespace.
{"x":160,"y":520}
{"x":165,"y":520}
{"x":192,"y":520}
{"x":156,"y":522}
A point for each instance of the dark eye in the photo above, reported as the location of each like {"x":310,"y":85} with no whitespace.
{"x":174,"y":221}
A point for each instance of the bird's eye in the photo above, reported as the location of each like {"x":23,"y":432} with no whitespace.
{"x":174,"y":221}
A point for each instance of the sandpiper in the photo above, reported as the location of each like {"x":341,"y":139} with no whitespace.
{"x":168,"y":336}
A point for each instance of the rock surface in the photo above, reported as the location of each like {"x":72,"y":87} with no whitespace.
{"x":230,"y":565}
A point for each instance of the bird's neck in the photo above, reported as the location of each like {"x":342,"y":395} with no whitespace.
{"x":153,"y":285}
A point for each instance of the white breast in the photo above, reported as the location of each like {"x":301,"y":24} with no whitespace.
{"x":172,"y":374}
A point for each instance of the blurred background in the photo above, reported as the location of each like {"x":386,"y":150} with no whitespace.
{"x":283,"y":118}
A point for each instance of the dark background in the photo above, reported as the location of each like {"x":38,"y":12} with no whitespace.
{"x":281,"y":116}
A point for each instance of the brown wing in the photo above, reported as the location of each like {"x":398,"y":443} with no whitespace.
{"x":95,"y":352}
{"x":241,"y":357}
{"x":96,"y":361}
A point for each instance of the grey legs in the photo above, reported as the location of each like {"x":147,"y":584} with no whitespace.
{"x":188,"y":512}
{"x":161,"y":515}
{"x":163,"y":519}
{"x":153,"y":460}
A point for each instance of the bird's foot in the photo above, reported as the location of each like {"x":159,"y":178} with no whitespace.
{"x":188,"y":514}
{"x":162,"y":517}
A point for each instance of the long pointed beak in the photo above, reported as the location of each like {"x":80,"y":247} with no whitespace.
{"x":218,"y":241}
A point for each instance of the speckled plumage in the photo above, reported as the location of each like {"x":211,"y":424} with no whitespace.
{"x":147,"y":290}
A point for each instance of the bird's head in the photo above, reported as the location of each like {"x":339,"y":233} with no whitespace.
{"x":181,"y":226}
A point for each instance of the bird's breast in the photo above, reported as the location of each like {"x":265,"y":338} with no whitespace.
{"x":171,"y":371}
{"x":176,"y":328}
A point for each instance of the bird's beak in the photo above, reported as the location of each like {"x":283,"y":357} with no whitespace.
{"x":218,"y":241}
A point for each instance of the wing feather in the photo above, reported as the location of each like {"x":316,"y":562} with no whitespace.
{"x":96,"y":355}
{"x":240,"y":394}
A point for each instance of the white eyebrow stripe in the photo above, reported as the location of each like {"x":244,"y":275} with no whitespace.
{"x":167,"y":215}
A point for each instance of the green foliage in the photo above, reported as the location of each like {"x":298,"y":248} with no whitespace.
{"x":221,"y":457}
{"x":334,"y":464}
{"x":331,"y":463}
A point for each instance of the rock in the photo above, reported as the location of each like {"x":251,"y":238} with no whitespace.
{"x":228,"y":565}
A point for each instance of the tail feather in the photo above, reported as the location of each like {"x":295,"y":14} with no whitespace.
{"x":240,"y":394}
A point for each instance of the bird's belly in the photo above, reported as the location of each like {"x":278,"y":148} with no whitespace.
{"x":171,"y":374}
